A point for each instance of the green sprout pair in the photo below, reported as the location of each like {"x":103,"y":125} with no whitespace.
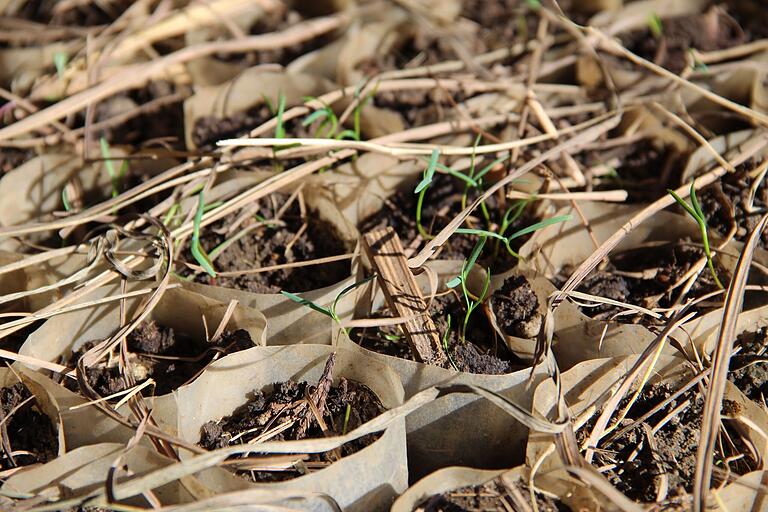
{"x":694,"y":210}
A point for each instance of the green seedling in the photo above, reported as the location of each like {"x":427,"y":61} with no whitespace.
{"x":421,"y":190}
{"x":471,"y":301}
{"x":65,"y":200}
{"x":197,"y":250}
{"x":533,"y":228}
{"x":655,"y":26}
{"x":446,"y":334}
{"x":347,"y":413}
{"x":280,"y":128}
{"x":694,"y":210}
{"x":115,"y":176}
{"x":60,"y":60}
{"x":330,"y":311}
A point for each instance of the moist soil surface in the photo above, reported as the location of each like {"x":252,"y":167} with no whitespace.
{"x":170,"y":359}
{"x":708,"y":31}
{"x":29,"y":433}
{"x":749,"y":368}
{"x":481,"y":352}
{"x":286,"y":402}
{"x":442,"y":202}
{"x":493,"y":496}
{"x":638,"y":466}
{"x":643,"y":277}
{"x":730,"y":203}
{"x":274,"y":242}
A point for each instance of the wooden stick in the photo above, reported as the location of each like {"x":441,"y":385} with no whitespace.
{"x":403,"y":294}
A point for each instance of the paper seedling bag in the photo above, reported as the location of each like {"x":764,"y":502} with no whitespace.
{"x":85,"y":469}
{"x":587,"y":386}
{"x":367,"y":480}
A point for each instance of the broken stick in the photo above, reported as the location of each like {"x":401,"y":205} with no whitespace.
{"x":403,"y":294}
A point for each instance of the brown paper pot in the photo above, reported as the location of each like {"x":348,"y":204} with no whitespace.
{"x":446,"y":431}
{"x":455,"y":478}
{"x":84,"y":470}
{"x":178,"y":309}
{"x":632,"y":16}
{"x":588,"y":385}
{"x":246,"y":91}
{"x":45,"y":402}
{"x":366,"y":480}
{"x":554,"y":247}
{"x":37,"y":186}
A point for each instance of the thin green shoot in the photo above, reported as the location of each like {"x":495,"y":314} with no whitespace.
{"x":114,"y":176}
{"x":694,"y":210}
{"x":347,"y":413}
{"x":65,"y":200}
{"x":331,"y":311}
{"x":172,"y":214}
{"x":446,"y":349}
{"x":394,"y":338}
{"x":533,"y":228}
{"x":60,"y":60}
{"x":421,"y":190}
{"x":197,"y":250}
{"x":655,"y":26}
{"x":280,"y":128}
{"x":471,"y":301}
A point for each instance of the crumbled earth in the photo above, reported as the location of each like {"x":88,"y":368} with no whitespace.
{"x":706,"y":32}
{"x":728,"y":203}
{"x":749,"y":368}
{"x":645,"y":171}
{"x":266,"y":410}
{"x":516,"y":308}
{"x":274,"y":243}
{"x":181,"y":358}
{"x":642,"y":277}
{"x":638,"y":465}
{"x":441,"y":203}
{"x":31,"y":434}
{"x":493,"y":496}
{"x":480,"y":352}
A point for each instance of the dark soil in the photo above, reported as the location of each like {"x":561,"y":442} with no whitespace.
{"x":266,"y":246}
{"x":646,"y":170}
{"x":706,"y":32}
{"x":11,"y":158}
{"x":481,"y":352}
{"x":673,"y":455}
{"x":29,"y":433}
{"x":170,"y":359}
{"x":748,"y":368}
{"x":268,"y":409}
{"x":79,"y":14}
{"x":728,"y":200}
{"x":642,"y":277}
{"x":516,"y":308}
{"x":441,"y":204}
{"x":208,"y":130}
{"x":493,"y":496}
{"x":161,"y":127}
{"x":13,"y":342}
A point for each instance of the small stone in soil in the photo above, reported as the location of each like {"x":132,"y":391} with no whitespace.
{"x":151,"y":339}
{"x":30,"y":431}
{"x":265,"y":410}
